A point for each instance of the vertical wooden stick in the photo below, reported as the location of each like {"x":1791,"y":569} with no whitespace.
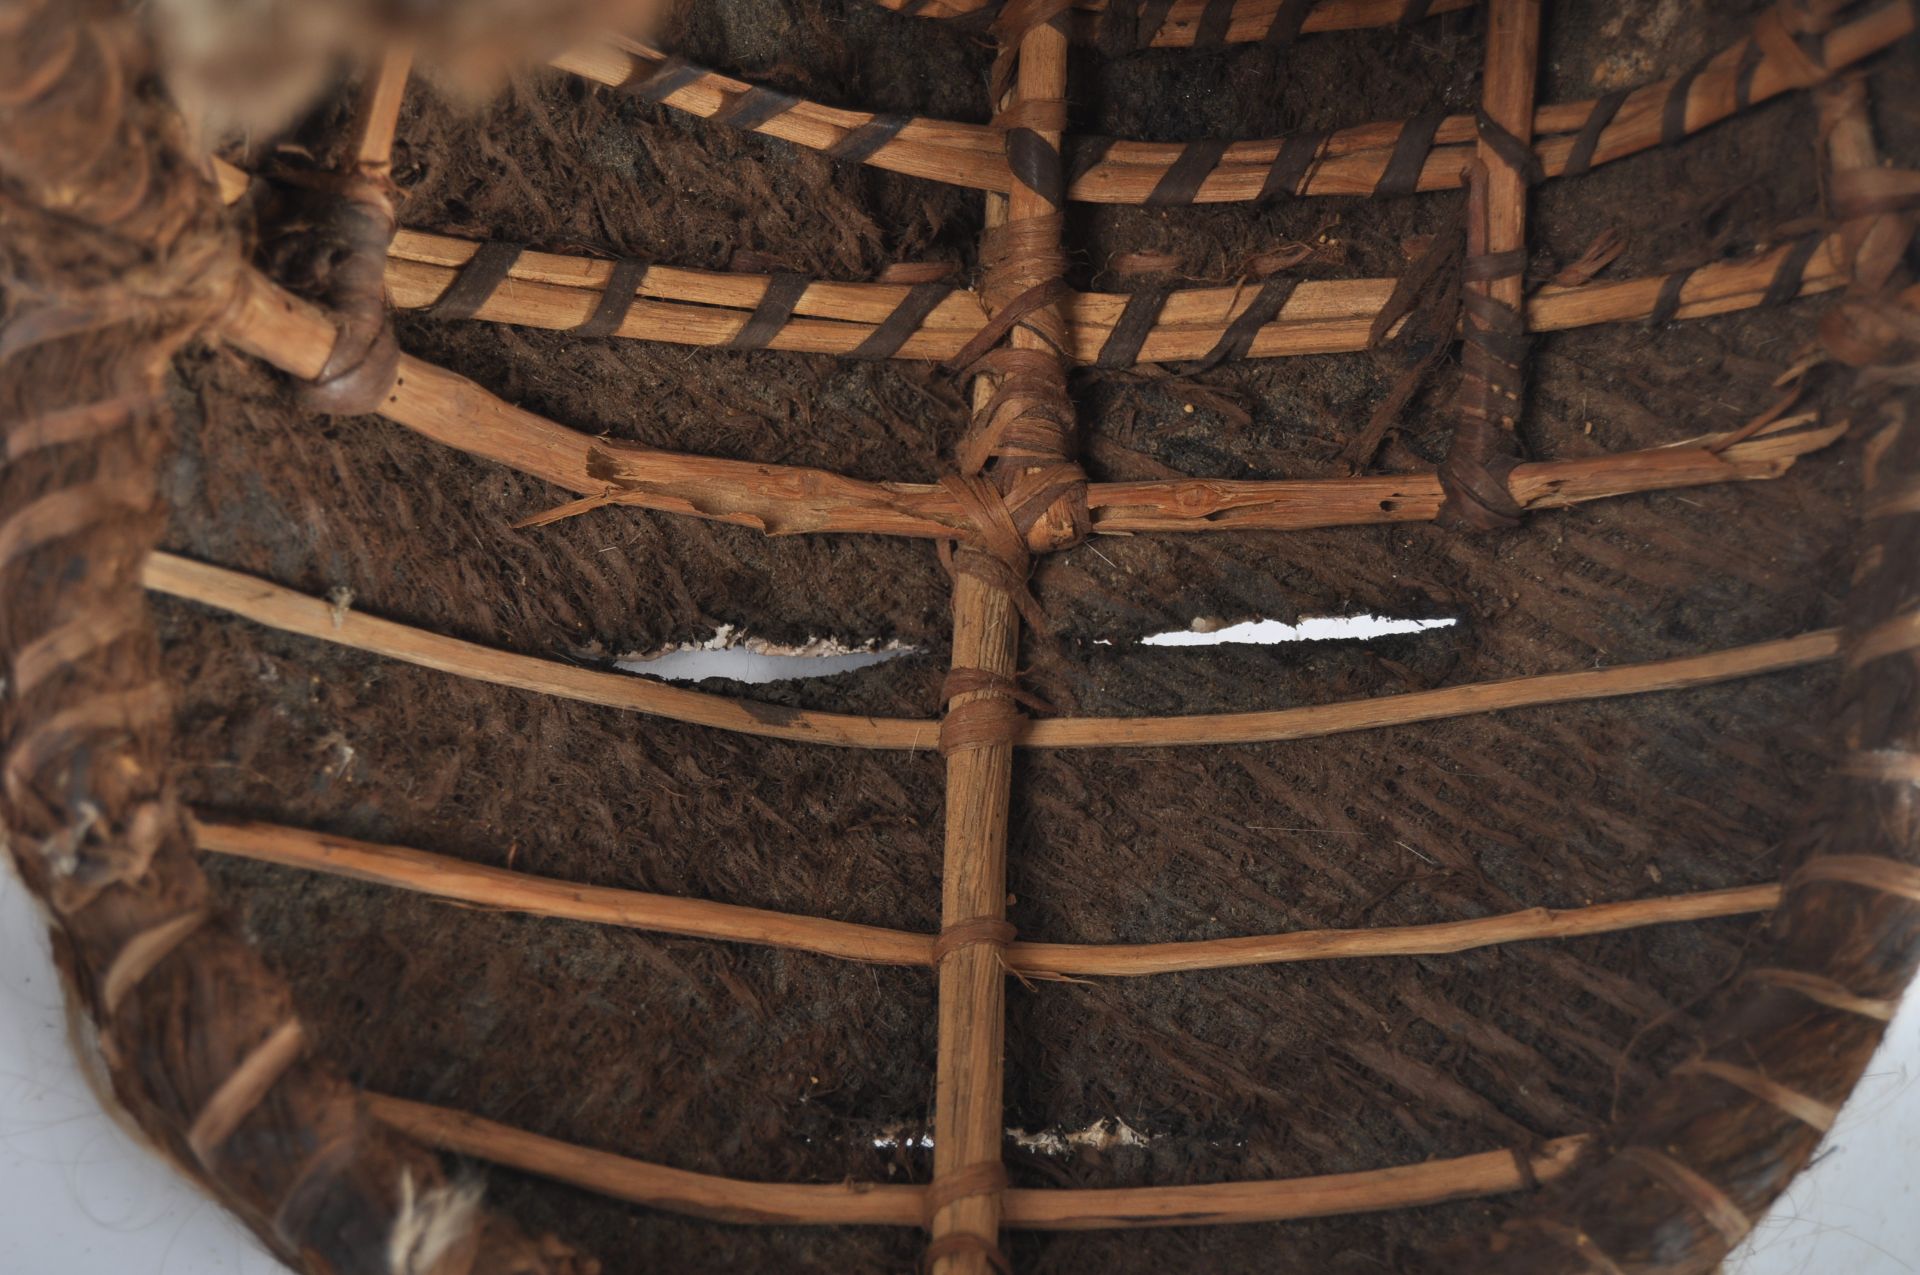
{"x":968,"y":1119}
{"x":377,"y":115}
{"x":1487,"y":406}
{"x":972,"y":980}
{"x":1513,"y":56}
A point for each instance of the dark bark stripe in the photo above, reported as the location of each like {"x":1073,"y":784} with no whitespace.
{"x":1750,"y":59}
{"x":775,"y":308}
{"x":893,"y":331}
{"x":1785,"y":285}
{"x":616,"y":299}
{"x":1286,"y":24}
{"x":664,"y":80}
{"x":1515,"y":153}
{"x":1211,"y":31}
{"x":1136,"y":323}
{"x":1289,"y":171}
{"x":1402,"y":173}
{"x":1262,"y":310}
{"x":1673,"y":116}
{"x":1184,"y":177}
{"x":477,"y":280}
{"x":1667,"y":304}
{"x":1085,"y":154}
{"x":1580,"y":158}
{"x":755,"y":107}
{"x":1035,"y":163}
{"x":859,"y":144}
{"x":1495,"y":265}
{"x":1153,"y":16}
{"x":1116,"y":31}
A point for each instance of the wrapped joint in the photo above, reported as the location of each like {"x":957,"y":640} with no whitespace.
{"x":983,"y":1177}
{"x":329,"y":243}
{"x":980,"y":931}
{"x":981,"y":710}
{"x":1023,"y":435}
{"x":1485,"y":449}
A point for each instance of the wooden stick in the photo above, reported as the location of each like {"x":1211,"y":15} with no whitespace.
{"x":1468,"y":1177}
{"x":970,"y":1053}
{"x":1251,"y":19}
{"x":1352,"y":161}
{"x":1079,"y":960}
{"x":291,"y":612}
{"x":652,"y":1185}
{"x":970,"y":1057}
{"x":1319,"y":720}
{"x":784,"y":500}
{"x":1513,"y":56}
{"x":1322,"y":316}
{"x":884,"y":1204}
{"x":272,"y":324}
{"x":446,"y":877}
{"x":937,"y":150}
{"x":377,"y":115}
{"x":1211,"y":504}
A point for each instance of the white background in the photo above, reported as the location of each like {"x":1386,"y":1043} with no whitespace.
{"x":78,"y":1197}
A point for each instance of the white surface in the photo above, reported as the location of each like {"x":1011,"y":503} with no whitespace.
{"x":79,"y":1197}
{"x":1321,"y":628}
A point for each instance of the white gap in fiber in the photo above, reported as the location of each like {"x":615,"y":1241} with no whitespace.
{"x":1102,"y":1134}
{"x":1322,"y":628}
{"x":733,"y":655}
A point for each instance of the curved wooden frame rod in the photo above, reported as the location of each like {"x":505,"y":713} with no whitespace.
{"x":724,"y":1199}
{"x":1349,"y":161}
{"x":290,"y":611}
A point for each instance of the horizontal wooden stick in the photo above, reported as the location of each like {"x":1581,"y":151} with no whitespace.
{"x":1467,"y":1177}
{"x":292,"y":612}
{"x":445,"y":877}
{"x":1135,"y":959}
{"x":885,"y":1204}
{"x":652,"y":1185}
{"x":788,"y":500}
{"x":1350,"y":161}
{"x":937,"y":150}
{"x":1318,"y":720}
{"x":1321,"y":316}
{"x":285,"y":609}
{"x":1192,"y":504}
{"x":1250,"y":19}
{"x":272,"y":324}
